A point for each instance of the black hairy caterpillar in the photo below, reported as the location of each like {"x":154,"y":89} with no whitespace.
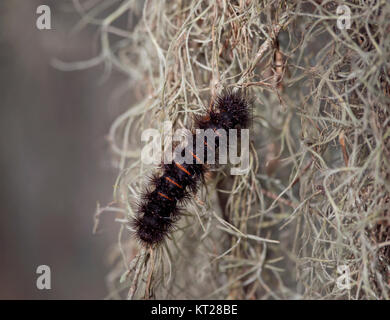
{"x":158,"y":210}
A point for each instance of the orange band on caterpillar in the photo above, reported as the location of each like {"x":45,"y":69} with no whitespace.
{"x":165,"y":196}
{"x":174,"y":182}
{"x":182,"y":168}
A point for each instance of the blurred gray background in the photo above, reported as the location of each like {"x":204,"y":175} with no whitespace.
{"x":54,"y":158}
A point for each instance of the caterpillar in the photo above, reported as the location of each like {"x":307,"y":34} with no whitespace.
{"x":159,"y":208}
